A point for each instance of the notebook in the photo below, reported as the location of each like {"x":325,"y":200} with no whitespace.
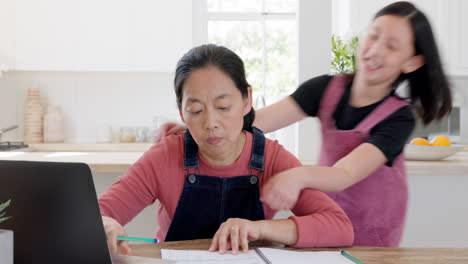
{"x":255,"y":256}
{"x":55,"y":214}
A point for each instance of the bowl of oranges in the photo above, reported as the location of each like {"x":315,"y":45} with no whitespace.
{"x":438,"y":148}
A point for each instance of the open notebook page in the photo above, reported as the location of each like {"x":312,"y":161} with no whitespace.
{"x":299,"y":257}
{"x":204,"y":256}
{"x":272,"y":255}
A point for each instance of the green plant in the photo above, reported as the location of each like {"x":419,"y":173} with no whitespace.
{"x":344,"y":54}
{"x":3,"y":206}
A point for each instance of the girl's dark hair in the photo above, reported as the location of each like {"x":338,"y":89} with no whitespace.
{"x":218,"y":56}
{"x":429,"y":87}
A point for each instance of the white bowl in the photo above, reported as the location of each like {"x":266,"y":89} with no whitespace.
{"x":420,"y":152}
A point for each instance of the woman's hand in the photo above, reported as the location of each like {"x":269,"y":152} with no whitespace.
{"x":282,"y":190}
{"x":236,"y":233}
{"x":166,"y":129}
{"x":113,"y":229}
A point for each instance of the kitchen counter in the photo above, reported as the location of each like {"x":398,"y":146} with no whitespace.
{"x":113,"y":162}
{"x":100,"y":147}
{"x":120,"y":161}
{"x":453,"y":165}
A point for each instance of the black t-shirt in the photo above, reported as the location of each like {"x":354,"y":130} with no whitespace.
{"x":390,"y":135}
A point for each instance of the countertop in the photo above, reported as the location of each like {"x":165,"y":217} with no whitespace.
{"x":117,"y":158}
{"x":112,"y":162}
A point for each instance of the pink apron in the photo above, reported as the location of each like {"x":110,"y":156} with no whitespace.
{"x":377,"y":204}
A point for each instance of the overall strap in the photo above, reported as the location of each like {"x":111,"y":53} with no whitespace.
{"x":190,"y":151}
{"x":256,"y":160}
{"x":258,"y":150}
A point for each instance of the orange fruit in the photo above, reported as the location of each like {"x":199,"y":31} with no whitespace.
{"x":420,"y":141}
{"x":441,"y":141}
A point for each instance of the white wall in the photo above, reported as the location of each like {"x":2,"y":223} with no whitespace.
{"x":89,"y":99}
{"x":315,"y":26}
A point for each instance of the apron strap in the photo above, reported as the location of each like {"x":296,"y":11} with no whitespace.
{"x":258,"y":150}
{"x":331,"y":97}
{"x":384,"y":110}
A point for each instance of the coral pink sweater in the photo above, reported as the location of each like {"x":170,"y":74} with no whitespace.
{"x":159,"y":174}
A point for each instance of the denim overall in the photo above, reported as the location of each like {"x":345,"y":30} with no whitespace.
{"x":208,"y":201}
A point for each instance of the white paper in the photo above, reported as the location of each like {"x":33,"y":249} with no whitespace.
{"x":204,"y":256}
{"x":309,"y":257}
{"x":273,"y":255}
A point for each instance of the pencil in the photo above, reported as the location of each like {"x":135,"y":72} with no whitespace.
{"x":138,"y":239}
{"x":351,"y":257}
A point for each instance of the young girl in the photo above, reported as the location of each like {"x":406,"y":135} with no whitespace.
{"x":208,"y":179}
{"x":365,"y":125}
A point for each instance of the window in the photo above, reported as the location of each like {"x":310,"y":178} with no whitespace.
{"x":264,"y":34}
{"x":282,"y":43}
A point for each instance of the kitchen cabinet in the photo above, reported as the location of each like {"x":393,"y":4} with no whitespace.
{"x":7,"y":44}
{"x":447,"y":18}
{"x":105,"y":35}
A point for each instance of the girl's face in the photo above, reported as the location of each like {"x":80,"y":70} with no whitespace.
{"x":213,"y":110}
{"x":387,"y":50}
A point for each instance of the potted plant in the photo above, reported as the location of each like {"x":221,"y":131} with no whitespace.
{"x":6,"y":237}
{"x":343,"y":54}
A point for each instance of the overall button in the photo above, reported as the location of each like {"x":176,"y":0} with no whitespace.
{"x":253,"y":179}
{"x":192,"y":178}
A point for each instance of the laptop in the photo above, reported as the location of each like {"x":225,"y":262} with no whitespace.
{"x":55,"y":214}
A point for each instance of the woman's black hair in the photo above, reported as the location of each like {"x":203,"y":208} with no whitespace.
{"x":429,"y":87}
{"x":218,"y":56}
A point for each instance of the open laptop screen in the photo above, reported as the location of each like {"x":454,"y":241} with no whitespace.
{"x":55,"y":214}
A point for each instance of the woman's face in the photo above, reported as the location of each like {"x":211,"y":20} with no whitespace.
{"x":387,"y":50}
{"x":213,"y":110}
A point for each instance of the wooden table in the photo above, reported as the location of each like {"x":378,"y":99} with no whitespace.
{"x":368,"y":255}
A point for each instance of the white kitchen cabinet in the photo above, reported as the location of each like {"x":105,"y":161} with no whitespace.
{"x":105,"y":35}
{"x":7,"y":33}
{"x":437,"y":211}
{"x":447,"y":18}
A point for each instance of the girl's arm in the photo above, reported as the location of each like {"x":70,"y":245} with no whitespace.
{"x":282,"y":191}
{"x":349,"y":170}
{"x":278,"y":115}
{"x":318,"y":221}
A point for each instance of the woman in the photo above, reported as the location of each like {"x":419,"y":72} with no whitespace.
{"x":208,"y":179}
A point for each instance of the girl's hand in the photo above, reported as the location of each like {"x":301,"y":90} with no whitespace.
{"x":167,"y":129}
{"x":113,"y":229}
{"x":282,"y":190}
{"x":235,"y":233}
